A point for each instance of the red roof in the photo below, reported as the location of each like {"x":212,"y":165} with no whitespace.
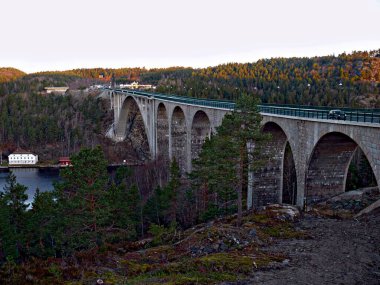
{"x":64,"y":158}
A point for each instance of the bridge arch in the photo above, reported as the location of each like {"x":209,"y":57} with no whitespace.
{"x":179,"y":138}
{"x":269,"y":181}
{"x":200,"y":130}
{"x":289,"y":177}
{"x":132,"y":125}
{"x":327,"y":167}
{"x":162,"y":125}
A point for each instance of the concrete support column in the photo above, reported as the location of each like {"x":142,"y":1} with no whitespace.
{"x":170,"y":113}
{"x":188,"y":147}
{"x":111,"y":99}
{"x":301,"y":173}
{"x":151,"y":126}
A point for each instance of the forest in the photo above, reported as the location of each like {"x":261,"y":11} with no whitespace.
{"x":48,"y":124}
{"x":344,"y":80}
{"x":88,"y":210}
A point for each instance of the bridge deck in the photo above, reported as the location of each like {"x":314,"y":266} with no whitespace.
{"x":316,"y":112}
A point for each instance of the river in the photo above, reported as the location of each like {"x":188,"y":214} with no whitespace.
{"x":33,"y":178}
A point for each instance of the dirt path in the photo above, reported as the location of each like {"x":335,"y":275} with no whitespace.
{"x":340,"y":252}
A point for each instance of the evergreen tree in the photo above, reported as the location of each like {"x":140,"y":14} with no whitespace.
{"x":222,"y":164}
{"x":171,"y":191}
{"x":134,"y":208}
{"x":122,"y":217}
{"x":161,"y":207}
{"x":83,"y":209}
{"x":40,"y":226}
{"x":13,"y":218}
{"x":153,"y":207}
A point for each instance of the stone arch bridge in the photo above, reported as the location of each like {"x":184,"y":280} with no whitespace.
{"x":318,"y":151}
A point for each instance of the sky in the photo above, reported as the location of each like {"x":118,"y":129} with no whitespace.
{"x":44,"y":35}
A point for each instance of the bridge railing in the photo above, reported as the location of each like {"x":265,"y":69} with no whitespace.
{"x":353,"y":115}
{"x":221,"y":104}
{"x":316,"y":112}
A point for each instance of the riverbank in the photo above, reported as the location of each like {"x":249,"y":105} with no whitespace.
{"x":112,"y":165}
{"x":31,"y":166}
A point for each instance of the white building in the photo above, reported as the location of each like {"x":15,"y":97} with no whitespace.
{"x":136,"y":85}
{"x":58,"y":90}
{"x":22,"y":157}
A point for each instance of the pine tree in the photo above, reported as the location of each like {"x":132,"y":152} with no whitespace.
{"x":40,"y":230}
{"x":172,"y":189}
{"x":13,"y":218}
{"x":83,"y":208}
{"x":162,"y":206}
{"x":134,"y":207}
{"x":122,"y":217}
{"x":222,"y":165}
{"x":153,"y":207}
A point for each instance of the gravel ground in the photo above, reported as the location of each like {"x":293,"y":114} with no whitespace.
{"x":339,"y":252}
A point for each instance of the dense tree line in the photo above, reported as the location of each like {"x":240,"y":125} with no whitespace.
{"x":36,"y":121}
{"x":33,"y":83}
{"x":344,"y":80}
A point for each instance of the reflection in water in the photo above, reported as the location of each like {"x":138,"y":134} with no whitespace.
{"x":33,"y":178}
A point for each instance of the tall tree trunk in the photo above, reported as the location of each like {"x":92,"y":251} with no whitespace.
{"x":240,"y":186}
{"x":250,"y":149}
{"x":239,"y":204}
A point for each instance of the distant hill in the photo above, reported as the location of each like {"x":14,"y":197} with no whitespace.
{"x":10,"y":73}
{"x":345,"y":80}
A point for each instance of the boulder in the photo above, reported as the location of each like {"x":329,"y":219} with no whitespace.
{"x":284,"y":211}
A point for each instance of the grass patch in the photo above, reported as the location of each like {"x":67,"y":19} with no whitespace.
{"x":190,"y":277}
{"x":284,"y":231}
{"x":209,"y":269}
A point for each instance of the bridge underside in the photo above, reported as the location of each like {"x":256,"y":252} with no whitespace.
{"x":162,"y":133}
{"x":130,"y":127}
{"x":200,"y":130}
{"x":328,"y":167}
{"x":268,"y":179}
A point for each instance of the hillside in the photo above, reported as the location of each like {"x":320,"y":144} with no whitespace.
{"x":343,"y":80}
{"x":264,"y":250}
{"x":10,"y":74}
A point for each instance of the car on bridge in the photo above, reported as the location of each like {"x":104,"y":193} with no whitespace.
{"x":336,"y":115}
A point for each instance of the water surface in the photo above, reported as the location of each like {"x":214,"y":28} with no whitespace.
{"x":33,"y":178}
